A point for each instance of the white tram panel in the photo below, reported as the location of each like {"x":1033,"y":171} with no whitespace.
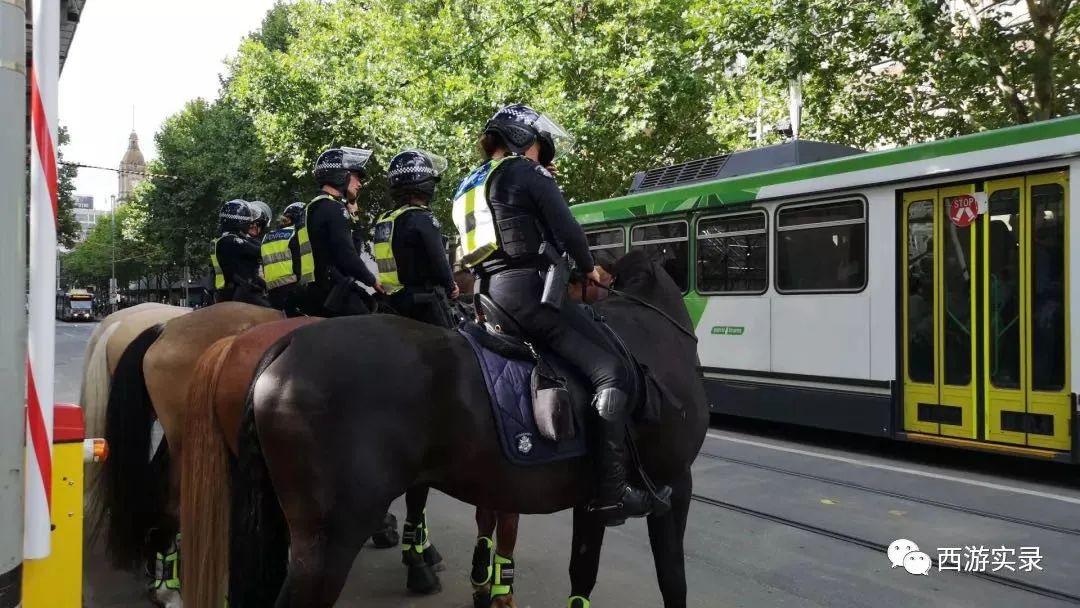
{"x":747,"y":347}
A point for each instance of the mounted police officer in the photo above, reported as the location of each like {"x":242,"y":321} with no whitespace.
{"x":235,"y":255}
{"x":409,"y":248}
{"x":330,"y":267}
{"x":281,"y":262}
{"x":505,"y":211}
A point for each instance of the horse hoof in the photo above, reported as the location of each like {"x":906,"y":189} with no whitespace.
{"x":423,"y":580}
{"x":434,"y":559}
{"x":481,"y":598}
{"x":503,"y":601}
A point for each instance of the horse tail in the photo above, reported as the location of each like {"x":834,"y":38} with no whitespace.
{"x":205,"y":489}
{"x":259,"y":540}
{"x":133,"y":486}
{"x":93,"y":398}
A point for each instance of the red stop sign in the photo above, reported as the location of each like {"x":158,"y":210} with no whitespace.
{"x":963,"y":210}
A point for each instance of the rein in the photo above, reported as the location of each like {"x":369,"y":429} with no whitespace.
{"x":637,"y":300}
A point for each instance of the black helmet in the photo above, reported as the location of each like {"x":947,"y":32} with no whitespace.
{"x":415,"y":172}
{"x":236,"y":215}
{"x":264,"y":213}
{"x":519,"y":126}
{"x":296,"y":214}
{"x":335,"y":165}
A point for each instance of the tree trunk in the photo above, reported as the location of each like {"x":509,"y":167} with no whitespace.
{"x":1046,"y":18}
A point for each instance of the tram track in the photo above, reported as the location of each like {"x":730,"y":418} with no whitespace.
{"x":879,"y":547}
{"x":897,"y":495}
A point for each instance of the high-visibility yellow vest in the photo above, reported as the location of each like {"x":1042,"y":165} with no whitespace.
{"x":473,"y":217}
{"x":277,"y":258}
{"x":384,"y":248}
{"x":219,"y":276}
{"x":307,"y":260}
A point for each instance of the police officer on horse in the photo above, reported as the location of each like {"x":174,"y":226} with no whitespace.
{"x":330,"y":267}
{"x":235,"y":255}
{"x":281,"y":262}
{"x":505,"y":211}
{"x":410,"y":251}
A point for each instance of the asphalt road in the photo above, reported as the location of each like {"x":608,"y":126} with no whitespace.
{"x":782,"y":517}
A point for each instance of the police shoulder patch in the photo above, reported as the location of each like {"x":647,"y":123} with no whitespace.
{"x":239,"y":240}
{"x":345,"y":212}
{"x":542,"y":170}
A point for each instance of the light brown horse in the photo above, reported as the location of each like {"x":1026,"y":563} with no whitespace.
{"x":112,"y":335}
{"x":140,"y":494}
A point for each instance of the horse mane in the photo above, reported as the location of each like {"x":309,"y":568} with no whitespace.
{"x":637,"y":274}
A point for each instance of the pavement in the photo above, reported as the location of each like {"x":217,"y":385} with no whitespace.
{"x":784,"y":517}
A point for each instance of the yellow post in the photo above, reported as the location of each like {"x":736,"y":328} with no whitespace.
{"x":56,"y":581}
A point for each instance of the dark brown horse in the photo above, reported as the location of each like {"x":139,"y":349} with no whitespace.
{"x":335,"y":433}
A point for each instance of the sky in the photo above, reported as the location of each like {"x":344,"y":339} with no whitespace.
{"x":153,"y":55}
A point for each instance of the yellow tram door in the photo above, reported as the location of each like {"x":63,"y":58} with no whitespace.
{"x":940,"y":392}
{"x":985,"y":319}
{"x":1026,"y":325}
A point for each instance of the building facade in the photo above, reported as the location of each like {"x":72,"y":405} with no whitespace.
{"x":86,"y":215}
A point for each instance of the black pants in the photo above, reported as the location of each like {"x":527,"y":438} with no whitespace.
{"x":241,"y":293}
{"x":421,"y":305}
{"x":570,"y":331}
{"x":341,"y":300}
{"x":288,"y":299}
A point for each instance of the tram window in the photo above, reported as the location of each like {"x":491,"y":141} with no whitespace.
{"x":607,"y":246}
{"x":1048,"y":287}
{"x":821,"y":247}
{"x":667,"y":244}
{"x":732,"y":254}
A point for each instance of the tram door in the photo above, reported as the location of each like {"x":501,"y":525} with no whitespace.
{"x":985,"y":355}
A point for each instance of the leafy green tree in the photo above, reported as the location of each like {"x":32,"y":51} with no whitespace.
{"x":67,"y":228}
{"x":207,"y":154}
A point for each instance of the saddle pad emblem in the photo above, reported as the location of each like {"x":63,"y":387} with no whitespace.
{"x":524,"y":443}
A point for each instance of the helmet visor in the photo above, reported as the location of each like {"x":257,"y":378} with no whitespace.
{"x":263,"y":209}
{"x":438,"y":163}
{"x":563,"y":141}
{"x":355,"y":159}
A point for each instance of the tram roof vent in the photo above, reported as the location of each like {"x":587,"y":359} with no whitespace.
{"x":743,"y":162}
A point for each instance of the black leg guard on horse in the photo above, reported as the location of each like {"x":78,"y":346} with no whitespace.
{"x":387,"y":536}
{"x":617,"y":499}
{"x":416,"y":551}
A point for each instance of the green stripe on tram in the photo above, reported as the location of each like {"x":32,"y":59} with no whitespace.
{"x":745,"y":188}
{"x":695,"y":305}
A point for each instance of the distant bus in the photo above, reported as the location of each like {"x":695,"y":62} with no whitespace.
{"x":77,"y":304}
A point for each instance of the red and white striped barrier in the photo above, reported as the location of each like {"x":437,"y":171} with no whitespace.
{"x":44,"y":80}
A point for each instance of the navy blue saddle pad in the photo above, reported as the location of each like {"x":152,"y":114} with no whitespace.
{"x":510,"y":394}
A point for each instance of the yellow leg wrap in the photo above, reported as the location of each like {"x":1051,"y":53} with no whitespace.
{"x":576,"y":601}
{"x":502,"y":580}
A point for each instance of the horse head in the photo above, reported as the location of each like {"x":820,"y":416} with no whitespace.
{"x":638,"y":276}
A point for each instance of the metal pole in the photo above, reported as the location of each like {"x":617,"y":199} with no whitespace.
{"x":113,"y":291}
{"x":13,"y":148}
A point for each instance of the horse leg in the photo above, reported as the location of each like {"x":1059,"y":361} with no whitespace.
{"x":666,"y":538}
{"x":585,"y":556}
{"x":502,"y":576}
{"x":483,"y":556}
{"x":319,"y":564}
{"x":417,"y":552}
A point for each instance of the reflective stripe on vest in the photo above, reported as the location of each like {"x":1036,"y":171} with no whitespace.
{"x":473,"y":217}
{"x":277,"y":259}
{"x":219,"y":276}
{"x":384,"y":248}
{"x":307,"y":259}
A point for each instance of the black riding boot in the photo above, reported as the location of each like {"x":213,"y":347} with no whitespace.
{"x":617,"y":499}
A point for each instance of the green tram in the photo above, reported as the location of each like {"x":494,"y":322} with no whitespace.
{"x":918,"y":293}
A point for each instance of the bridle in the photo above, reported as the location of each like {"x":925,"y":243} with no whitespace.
{"x":637,"y":300}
